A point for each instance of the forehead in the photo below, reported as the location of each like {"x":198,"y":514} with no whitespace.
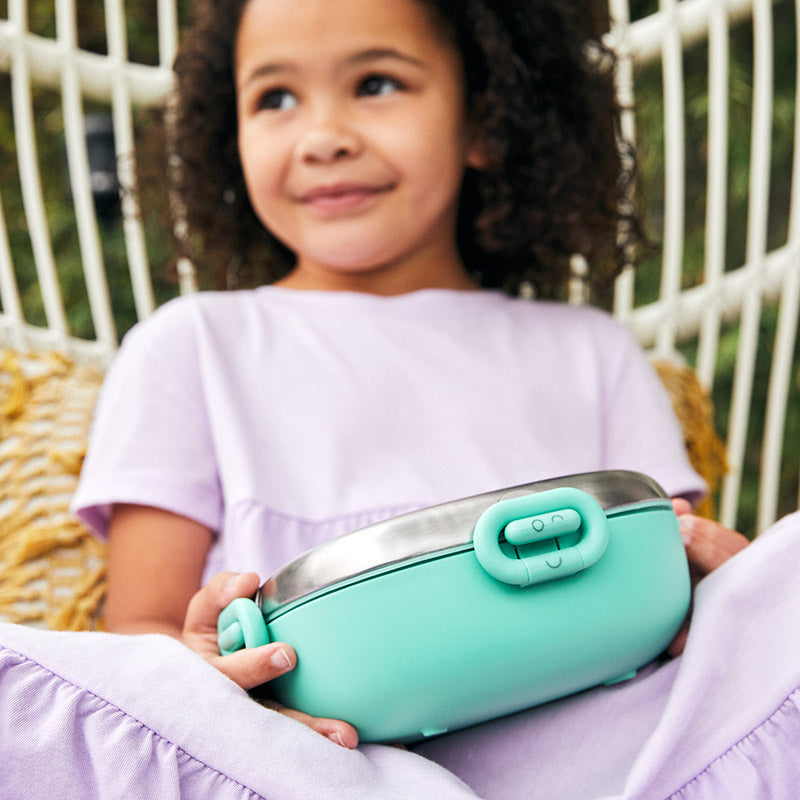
{"x":292,"y":29}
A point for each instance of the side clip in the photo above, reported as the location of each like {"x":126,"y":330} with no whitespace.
{"x":241,"y":624}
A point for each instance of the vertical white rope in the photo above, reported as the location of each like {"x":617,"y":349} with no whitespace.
{"x":760,"y":155}
{"x":578,"y":283}
{"x":167,"y":32}
{"x":674,"y":179}
{"x":78,"y":161}
{"x":33,"y":202}
{"x":795,"y":211}
{"x":780,"y":381}
{"x":785,"y":339}
{"x":716,"y":190}
{"x":619,"y":16}
{"x":135,"y":242}
{"x":9,"y":292}
{"x":187,"y":274}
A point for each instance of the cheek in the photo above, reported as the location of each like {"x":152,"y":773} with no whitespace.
{"x":441,"y":140}
{"x":258,"y":168}
{"x":439,"y":160}
{"x":246,"y":159}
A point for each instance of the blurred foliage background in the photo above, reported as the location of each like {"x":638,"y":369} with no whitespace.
{"x":143,"y":47}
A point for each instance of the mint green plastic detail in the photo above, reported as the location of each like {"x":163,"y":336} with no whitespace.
{"x":626,"y":676}
{"x":543,"y":526}
{"x":547,"y":566}
{"x":241,"y":624}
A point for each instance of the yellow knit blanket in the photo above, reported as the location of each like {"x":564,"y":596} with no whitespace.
{"x":695,"y":412}
{"x":51,"y":568}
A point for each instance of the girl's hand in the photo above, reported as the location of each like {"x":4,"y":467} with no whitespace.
{"x":249,"y":667}
{"x":708,"y":545}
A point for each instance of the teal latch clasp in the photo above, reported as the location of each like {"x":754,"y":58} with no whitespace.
{"x":543,"y":526}
{"x":241,"y":624}
{"x":534,"y":517}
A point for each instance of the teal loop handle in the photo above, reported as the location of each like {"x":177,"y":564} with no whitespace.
{"x":241,"y":624}
{"x":541,"y":567}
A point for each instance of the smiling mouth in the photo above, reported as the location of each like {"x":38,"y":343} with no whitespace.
{"x":342,"y":197}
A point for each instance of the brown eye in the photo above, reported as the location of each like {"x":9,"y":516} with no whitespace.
{"x":376,"y":85}
{"x":277,"y":100}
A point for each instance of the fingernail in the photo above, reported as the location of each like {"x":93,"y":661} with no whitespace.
{"x":280,"y":660}
{"x":336,"y":738}
{"x":686,"y":527}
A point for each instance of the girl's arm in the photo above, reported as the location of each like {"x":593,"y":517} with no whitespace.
{"x":155,"y":568}
{"x":155,"y":565}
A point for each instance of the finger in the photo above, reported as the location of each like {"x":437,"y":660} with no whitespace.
{"x":681,"y":506}
{"x":678,"y":644}
{"x":256,"y":665}
{"x":709,"y":544}
{"x":206,"y":605}
{"x":338,"y":731}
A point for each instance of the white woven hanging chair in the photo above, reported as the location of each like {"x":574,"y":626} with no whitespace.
{"x":706,"y":303}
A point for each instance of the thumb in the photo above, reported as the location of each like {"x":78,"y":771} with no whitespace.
{"x":208,"y":602}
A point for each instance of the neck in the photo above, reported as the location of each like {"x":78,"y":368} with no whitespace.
{"x":380,"y":281}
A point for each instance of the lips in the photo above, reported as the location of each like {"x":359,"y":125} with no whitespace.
{"x":342,"y":197}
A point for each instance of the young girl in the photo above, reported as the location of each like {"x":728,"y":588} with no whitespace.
{"x":388,"y":166}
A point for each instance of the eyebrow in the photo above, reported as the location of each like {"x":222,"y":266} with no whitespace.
{"x":382,"y":53}
{"x":362,"y":57}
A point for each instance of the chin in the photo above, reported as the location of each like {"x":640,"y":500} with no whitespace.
{"x":350,"y":265}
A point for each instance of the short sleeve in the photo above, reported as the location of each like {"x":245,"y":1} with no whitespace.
{"x":641,"y":429}
{"x":151,"y":441}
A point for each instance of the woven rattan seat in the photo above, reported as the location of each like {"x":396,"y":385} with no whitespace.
{"x":51,"y":568}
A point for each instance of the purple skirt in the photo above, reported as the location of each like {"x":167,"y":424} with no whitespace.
{"x":97,"y":715}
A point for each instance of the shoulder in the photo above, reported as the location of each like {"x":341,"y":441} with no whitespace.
{"x":191,"y":310}
{"x":568,"y":322}
{"x":170,"y":343}
{"x":589,"y":318}
{"x":183,"y":323}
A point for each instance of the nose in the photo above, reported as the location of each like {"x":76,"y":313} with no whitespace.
{"x":328,"y":139}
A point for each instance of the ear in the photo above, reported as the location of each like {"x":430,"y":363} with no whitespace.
{"x":477,"y":154}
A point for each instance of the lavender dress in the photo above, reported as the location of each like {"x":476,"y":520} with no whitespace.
{"x":102,"y":716}
{"x":282,"y":418}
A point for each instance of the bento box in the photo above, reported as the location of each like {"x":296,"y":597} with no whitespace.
{"x":477,"y":608}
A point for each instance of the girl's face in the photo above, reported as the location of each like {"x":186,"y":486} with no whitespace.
{"x":353,"y":140}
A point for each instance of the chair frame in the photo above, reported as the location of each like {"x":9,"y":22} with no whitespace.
{"x":767,"y":278}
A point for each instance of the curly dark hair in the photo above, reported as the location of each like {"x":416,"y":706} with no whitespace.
{"x":554,"y":185}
